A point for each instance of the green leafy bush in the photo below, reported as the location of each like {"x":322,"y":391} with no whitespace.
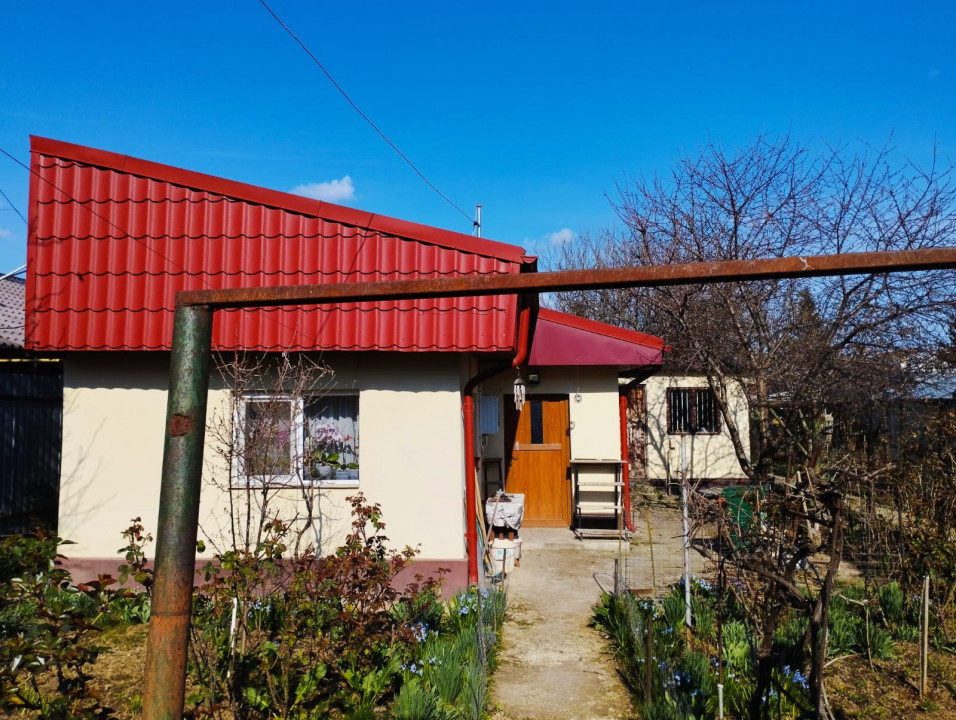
{"x":278,"y":637}
{"x":45,"y":623}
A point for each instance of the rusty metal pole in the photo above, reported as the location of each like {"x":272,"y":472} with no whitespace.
{"x":178,"y":514}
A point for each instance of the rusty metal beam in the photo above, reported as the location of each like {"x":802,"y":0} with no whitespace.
{"x":651,"y":276}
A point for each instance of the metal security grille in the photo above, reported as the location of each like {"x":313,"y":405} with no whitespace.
{"x":679,"y":411}
{"x":705,"y":412}
{"x":692,"y":410}
{"x":31,"y":429}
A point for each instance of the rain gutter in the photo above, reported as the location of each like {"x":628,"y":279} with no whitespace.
{"x":625,"y":464}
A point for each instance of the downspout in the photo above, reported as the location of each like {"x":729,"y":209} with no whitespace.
{"x":468,"y":417}
{"x":625,"y":465}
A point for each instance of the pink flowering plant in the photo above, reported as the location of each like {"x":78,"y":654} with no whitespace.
{"x":328,"y":445}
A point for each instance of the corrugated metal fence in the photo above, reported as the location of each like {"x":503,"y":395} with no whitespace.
{"x":31,"y":430}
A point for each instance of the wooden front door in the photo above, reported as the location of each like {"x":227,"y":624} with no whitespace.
{"x":540,"y":456}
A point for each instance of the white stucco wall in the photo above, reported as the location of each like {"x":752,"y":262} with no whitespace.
{"x":410,"y":434}
{"x":707,"y":456}
{"x":592,"y":393}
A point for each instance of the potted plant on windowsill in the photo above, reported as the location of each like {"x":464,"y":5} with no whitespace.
{"x":326,"y":448}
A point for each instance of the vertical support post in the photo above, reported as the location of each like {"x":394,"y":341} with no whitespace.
{"x":178,"y":514}
{"x":649,"y":664}
{"x":685,"y":523}
{"x":924,"y":637}
{"x":471,"y":497}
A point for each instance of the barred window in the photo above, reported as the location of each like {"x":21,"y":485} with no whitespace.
{"x":692,"y":410}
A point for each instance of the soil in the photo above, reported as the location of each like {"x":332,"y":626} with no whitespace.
{"x":119,"y":669}
{"x":890,"y":688}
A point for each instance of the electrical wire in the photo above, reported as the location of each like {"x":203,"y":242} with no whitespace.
{"x":92,"y":211}
{"x":359,"y":111}
{"x":4,"y":195}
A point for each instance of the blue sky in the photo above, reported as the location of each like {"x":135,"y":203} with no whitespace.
{"x":535,"y":110}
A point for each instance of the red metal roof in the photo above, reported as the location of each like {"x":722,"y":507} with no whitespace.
{"x":114,"y":238}
{"x":561,"y":339}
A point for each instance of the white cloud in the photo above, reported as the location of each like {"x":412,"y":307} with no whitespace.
{"x":562,"y":237}
{"x":933,"y":74}
{"x":331,"y":191}
{"x":4,"y":233}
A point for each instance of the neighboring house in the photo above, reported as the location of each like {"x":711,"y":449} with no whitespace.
{"x":686,"y":436}
{"x":31,"y":407}
{"x":114,"y":238}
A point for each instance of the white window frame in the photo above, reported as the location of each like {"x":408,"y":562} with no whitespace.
{"x":299,"y":475}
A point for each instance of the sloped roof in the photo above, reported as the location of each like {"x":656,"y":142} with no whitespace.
{"x":561,"y":339}
{"x":114,"y":238}
{"x":12,"y":294}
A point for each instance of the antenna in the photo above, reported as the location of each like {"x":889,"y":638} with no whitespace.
{"x":477,"y":223}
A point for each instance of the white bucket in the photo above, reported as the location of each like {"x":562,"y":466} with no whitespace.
{"x":503,"y":555}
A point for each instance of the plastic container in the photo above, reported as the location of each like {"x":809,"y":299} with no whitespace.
{"x":503,"y":554}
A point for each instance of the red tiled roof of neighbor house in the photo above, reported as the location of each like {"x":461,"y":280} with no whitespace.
{"x":114,"y":238}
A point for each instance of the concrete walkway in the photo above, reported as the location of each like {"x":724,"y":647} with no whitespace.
{"x":552,"y":665}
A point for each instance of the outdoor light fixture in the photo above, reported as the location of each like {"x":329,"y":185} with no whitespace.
{"x":533,"y":379}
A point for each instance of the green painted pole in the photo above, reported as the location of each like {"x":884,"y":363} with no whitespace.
{"x":178,"y":514}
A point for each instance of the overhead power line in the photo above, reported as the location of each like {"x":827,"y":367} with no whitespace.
{"x":4,"y":195}
{"x":357,"y":109}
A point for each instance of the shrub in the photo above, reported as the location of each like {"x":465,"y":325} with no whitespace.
{"x":305,"y":636}
{"x":45,"y":622}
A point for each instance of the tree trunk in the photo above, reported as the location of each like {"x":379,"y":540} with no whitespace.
{"x":820,"y":616}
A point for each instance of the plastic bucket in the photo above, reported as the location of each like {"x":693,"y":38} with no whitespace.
{"x":503,"y":554}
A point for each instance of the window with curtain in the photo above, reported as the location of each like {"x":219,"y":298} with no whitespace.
{"x":287,"y":440}
{"x":331,"y":427}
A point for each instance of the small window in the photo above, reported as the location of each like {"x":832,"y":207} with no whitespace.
{"x":266,"y":447}
{"x":288,"y":440}
{"x":537,"y":422}
{"x":331,"y":435}
{"x":692,"y":410}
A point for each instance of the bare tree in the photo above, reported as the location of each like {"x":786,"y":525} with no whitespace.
{"x":801,"y":347}
{"x":798,"y":344}
{"x":261,"y":468}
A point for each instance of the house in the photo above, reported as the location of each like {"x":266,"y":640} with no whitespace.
{"x":680,"y":431}
{"x":113,"y":239}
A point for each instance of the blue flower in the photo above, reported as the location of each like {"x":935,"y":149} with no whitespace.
{"x":421,"y":632}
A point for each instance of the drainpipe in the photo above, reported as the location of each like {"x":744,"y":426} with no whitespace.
{"x":625,"y":465}
{"x":524,"y":328}
{"x":468,"y":417}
